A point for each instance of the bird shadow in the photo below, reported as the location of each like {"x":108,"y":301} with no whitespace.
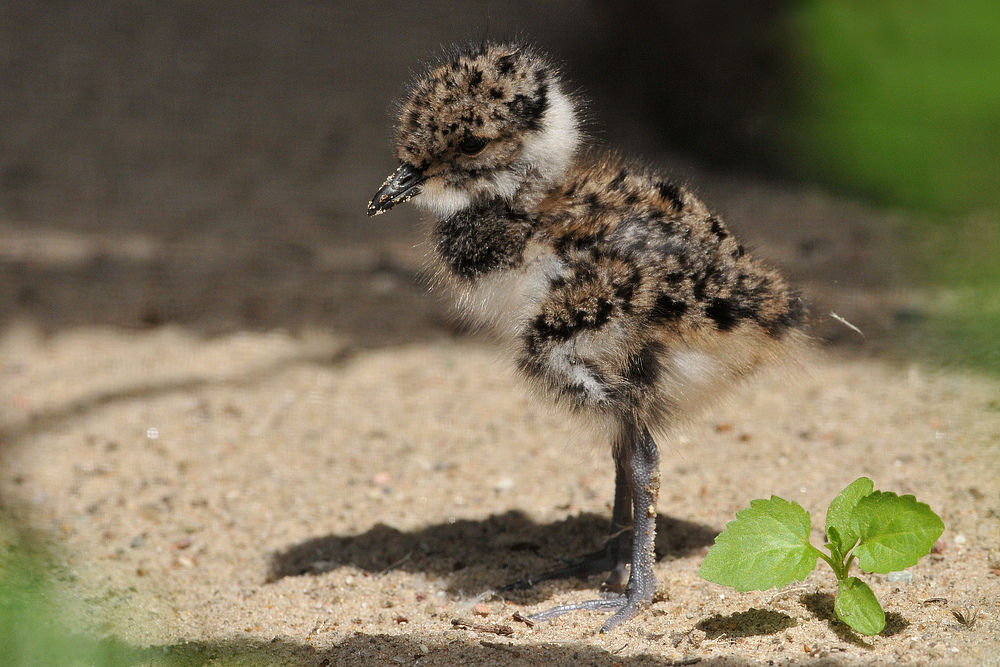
{"x":476,"y":555}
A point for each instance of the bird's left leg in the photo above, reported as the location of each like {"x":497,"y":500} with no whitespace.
{"x":635,"y":453}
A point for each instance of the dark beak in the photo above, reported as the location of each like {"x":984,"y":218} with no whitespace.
{"x":403,"y":184}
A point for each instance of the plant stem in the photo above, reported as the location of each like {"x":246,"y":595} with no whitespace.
{"x":834,"y":562}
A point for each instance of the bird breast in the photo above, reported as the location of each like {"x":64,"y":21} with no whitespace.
{"x":505,"y":301}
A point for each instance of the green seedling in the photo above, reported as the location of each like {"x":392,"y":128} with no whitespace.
{"x":767,"y":545}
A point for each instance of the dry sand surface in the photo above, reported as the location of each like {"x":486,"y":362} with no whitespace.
{"x":313,"y":498}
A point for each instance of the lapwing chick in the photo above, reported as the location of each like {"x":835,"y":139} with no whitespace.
{"x":618,"y":293}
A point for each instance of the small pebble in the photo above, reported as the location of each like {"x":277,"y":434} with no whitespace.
{"x":182,"y":543}
{"x":505,"y":484}
{"x":899,"y":577}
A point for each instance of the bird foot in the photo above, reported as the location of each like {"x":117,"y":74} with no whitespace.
{"x":624,"y":606}
{"x":630,"y":553}
{"x":624,"y":595}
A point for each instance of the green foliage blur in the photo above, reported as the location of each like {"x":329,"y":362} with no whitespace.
{"x":32,"y":630}
{"x":37,"y":612}
{"x":901,"y":100}
{"x":958,"y":267}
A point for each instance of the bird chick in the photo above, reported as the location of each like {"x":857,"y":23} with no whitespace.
{"x":618,"y":293}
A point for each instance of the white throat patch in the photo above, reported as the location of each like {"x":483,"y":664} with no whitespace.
{"x":441,"y":200}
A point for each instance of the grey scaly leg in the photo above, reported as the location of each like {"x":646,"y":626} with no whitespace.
{"x":636,"y":456}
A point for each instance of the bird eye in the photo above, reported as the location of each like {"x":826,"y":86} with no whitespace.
{"x":472,"y":145}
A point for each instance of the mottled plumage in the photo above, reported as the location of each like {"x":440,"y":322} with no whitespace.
{"x":618,"y":292}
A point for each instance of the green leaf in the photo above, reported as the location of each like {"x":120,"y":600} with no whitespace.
{"x":895,"y":531}
{"x":833,"y":538}
{"x":838,"y":517}
{"x":857,"y":606}
{"x":766,"y":545}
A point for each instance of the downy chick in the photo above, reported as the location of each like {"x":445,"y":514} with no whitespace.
{"x":618,"y":293}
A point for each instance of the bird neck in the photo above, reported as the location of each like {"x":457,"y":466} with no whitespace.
{"x":548,"y":153}
{"x":483,"y":238}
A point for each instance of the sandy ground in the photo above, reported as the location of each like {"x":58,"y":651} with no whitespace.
{"x":321,"y":497}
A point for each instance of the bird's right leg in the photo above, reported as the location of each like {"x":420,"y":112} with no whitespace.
{"x":641,"y":461}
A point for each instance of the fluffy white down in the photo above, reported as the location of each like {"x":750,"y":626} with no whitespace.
{"x":506,"y":300}
{"x":441,"y":200}
{"x":551,"y":150}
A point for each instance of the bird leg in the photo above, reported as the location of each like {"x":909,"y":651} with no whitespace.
{"x":615,"y":556}
{"x":638,"y":462}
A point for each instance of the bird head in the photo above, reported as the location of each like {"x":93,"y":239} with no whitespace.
{"x":479,"y":126}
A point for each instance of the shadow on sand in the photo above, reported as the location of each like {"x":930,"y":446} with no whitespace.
{"x":476,"y":555}
{"x":381,"y":649}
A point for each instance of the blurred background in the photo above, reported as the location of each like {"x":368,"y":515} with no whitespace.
{"x":208,"y":163}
